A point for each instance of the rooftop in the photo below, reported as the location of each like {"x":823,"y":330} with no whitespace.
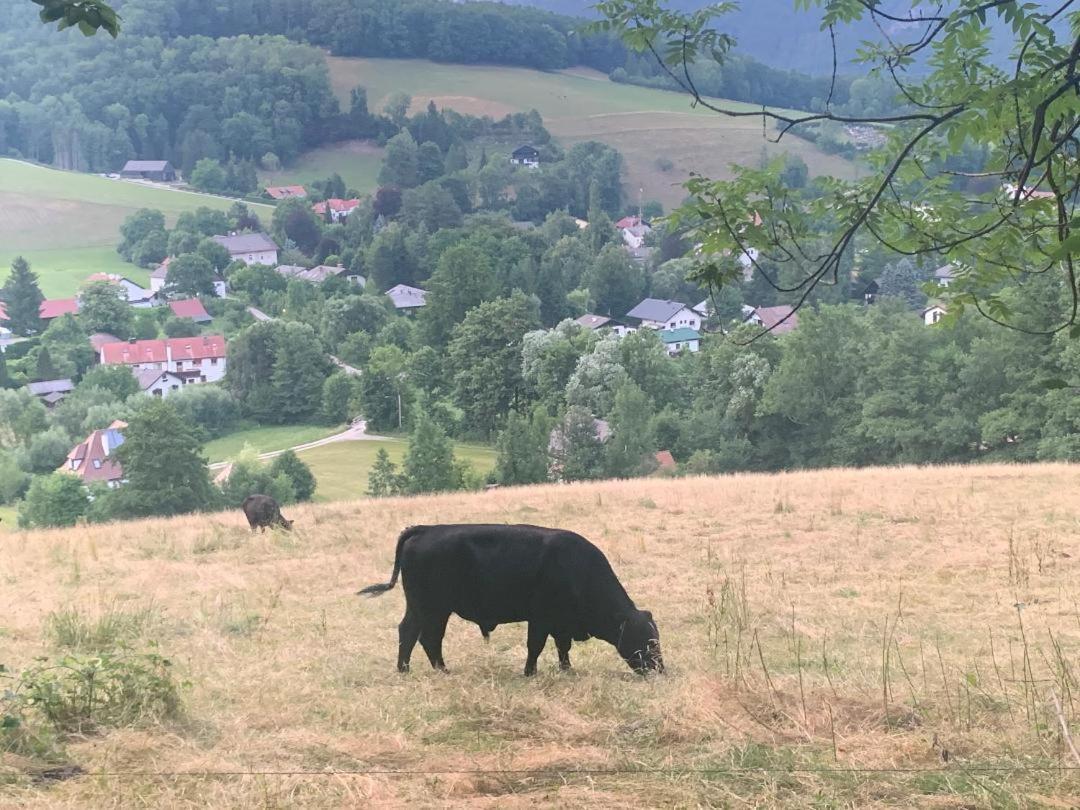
{"x":679,"y":335}
{"x":246,"y":243}
{"x":40,"y":389}
{"x":285,"y":192}
{"x":146,"y":166}
{"x":406,"y":297}
{"x":593,"y":321}
{"x":656,"y":309}
{"x":190,"y":308}
{"x":778,"y":320}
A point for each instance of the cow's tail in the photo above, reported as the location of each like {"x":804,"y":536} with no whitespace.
{"x":379,"y":590}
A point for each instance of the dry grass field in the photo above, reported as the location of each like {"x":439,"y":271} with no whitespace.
{"x":877,"y":638}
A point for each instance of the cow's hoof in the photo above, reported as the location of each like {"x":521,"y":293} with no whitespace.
{"x":565,"y":667}
{"x":530,"y":671}
{"x":403,"y":668}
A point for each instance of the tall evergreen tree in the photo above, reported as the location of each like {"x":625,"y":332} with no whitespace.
{"x":22,"y":298}
{"x":297,"y":472}
{"x":429,"y":462}
{"x":523,"y":450}
{"x":384,"y":479}
{"x":162,"y":461}
{"x":45,"y":369}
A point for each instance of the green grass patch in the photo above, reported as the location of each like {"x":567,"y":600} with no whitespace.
{"x":67,"y":224}
{"x":581,"y":105}
{"x":358,"y":163}
{"x":266,"y":439}
{"x":341,"y":469}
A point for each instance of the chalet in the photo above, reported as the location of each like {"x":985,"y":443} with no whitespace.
{"x":137,"y":295}
{"x":52,"y":308}
{"x":196,"y":359}
{"x":51,"y":392}
{"x":933,"y":313}
{"x":660,"y":313}
{"x":945,"y":275}
{"x":285,"y":192}
{"x":596,"y":322}
{"x":525,"y":156}
{"x":92,"y":459}
{"x":676,"y":341}
{"x":250,"y":248}
{"x":160,"y":383}
{"x":317,"y":275}
{"x":407,"y":299}
{"x":191,"y":308}
{"x":159,"y":170}
{"x":339,"y":209}
{"x":778,"y":320}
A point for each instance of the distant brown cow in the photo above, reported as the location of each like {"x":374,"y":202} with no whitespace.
{"x":262,"y":511}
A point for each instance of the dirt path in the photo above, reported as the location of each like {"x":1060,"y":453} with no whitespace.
{"x":356,"y":432}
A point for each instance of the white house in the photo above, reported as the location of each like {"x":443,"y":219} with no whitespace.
{"x":159,"y":383}
{"x":933,"y":313}
{"x":339,"y":209}
{"x":677,"y":341}
{"x":137,"y":295}
{"x":250,"y":248}
{"x":160,"y":273}
{"x":659,"y":313}
{"x":945,"y":275}
{"x":525,"y":156}
{"x":195,"y":359}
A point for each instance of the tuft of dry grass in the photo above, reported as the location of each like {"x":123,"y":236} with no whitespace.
{"x":816,"y":626}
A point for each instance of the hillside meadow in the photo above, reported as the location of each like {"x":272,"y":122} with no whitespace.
{"x":67,"y":224}
{"x":873,"y":638}
{"x":580,"y":105}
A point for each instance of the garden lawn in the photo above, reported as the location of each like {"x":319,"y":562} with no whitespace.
{"x":266,"y":439}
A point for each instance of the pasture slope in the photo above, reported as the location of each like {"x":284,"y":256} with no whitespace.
{"x":581,"y":105}
{"x":67,"y":224}
{"x":873,"y":638}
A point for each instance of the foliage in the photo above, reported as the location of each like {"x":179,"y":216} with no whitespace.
{"x":189,"y":276}
{"x":383,"y":478}
{"x":249,"y":476}
{"x":210,"y":407}
{"x":13,"y":480}
{"x":103,"y":307}
{"x":53,"y":500}
{"x":46,"y":451}
{"x":163,"y":465}
{"x":522,"y":449}
{"x":337,"y":394}
{"x":429,"y":464}
{"x":577,"y":452}
{"x":299,"y":475}
{"x":630,"y":448}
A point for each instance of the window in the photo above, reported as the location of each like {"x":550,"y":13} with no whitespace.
{"x":213,"y":361}
{"x":672,"y":325}
{"x":157,"y":392}
{"x":97,"y":463}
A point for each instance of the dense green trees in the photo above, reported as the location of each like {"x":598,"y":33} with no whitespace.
{"x":103,"y":307}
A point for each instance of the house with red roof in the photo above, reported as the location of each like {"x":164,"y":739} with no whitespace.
{"x":339,"y":209}
{"x":191,"y":308}
{"x":285,"y":192}
{"x":56,"y":307}
{"x":195,"y":359}
{"x":92,"y":459}
{"x":778,"y":320}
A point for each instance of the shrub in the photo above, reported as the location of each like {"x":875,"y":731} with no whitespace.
{"x":53,"y":500}
{"x":298,"y":473}
{"x":249,"y":476}
{"x":13,"y":481}
{"x":114,"y":627}
{"x":46,"y":451}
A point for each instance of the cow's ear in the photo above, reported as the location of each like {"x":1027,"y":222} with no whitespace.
{"x":647,"y":615}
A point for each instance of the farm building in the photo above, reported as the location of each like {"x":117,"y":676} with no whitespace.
{"x":159,"y":170}
{"x":51,"y":392}
{"x":191,"y":308}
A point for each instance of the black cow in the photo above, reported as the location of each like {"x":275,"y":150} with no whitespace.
{"x":557,"y":581}
{"x":262,"y":511}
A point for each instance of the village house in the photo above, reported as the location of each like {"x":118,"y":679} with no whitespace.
{"x":92,"y":459}
{"x":285,"y":192}
{"x":525,"y":156}
{"x":137,"y":295}
{"x":634,"y":231}
{"x":51,"y":392}
{"x":99,"y":339}
{"x":596,"y":322}
{"x":407,"y":299}
{"x":933,"y":313}
{"x":339,"y":209}
{"x":778,"y":320}
{"x":250,"y":248}
{"x":676,"y":341}
{"x":196,"y":359}
{"x":160,"y":274}
{"x":660,"y":313}
{"x":191,"y":308}
{"x":160,"y":171}
{"x":52,"y":308}
{"x":317,"y":275}
{"x":159,"y":383}
{"x":945,"y":275}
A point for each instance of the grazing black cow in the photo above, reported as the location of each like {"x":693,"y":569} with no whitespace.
{"x":262,"y":511}
{"x":557,"y":581}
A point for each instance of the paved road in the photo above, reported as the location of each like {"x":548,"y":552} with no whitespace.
{"x":356,"y":432}
{"x":259,"y":315}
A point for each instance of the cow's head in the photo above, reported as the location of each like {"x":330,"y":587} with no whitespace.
{"x":639,"y":643}
{"x":286,"y":524}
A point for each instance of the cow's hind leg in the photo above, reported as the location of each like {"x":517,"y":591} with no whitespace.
{"x":431,"y":637}
{"x":536,"y":641}
{"x":408,"y":634}
{"x":562,"y":643}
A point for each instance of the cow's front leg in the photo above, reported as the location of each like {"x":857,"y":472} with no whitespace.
{"x":408,"y":634}
{"x":431,"y":637}
{"x":562,"y":643}
{"x":536,"y":641}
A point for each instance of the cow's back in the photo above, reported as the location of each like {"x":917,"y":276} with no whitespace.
{"x":493,"y":573}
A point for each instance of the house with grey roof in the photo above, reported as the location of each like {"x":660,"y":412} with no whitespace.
{"x":250,"y":248}
{"x":660,"y":313}
{"x":51,"y":392}
{"x":596,"y":322}
{"x":407,"y":299}
{"x":317,"y":275}
{"x":945,"y":275}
